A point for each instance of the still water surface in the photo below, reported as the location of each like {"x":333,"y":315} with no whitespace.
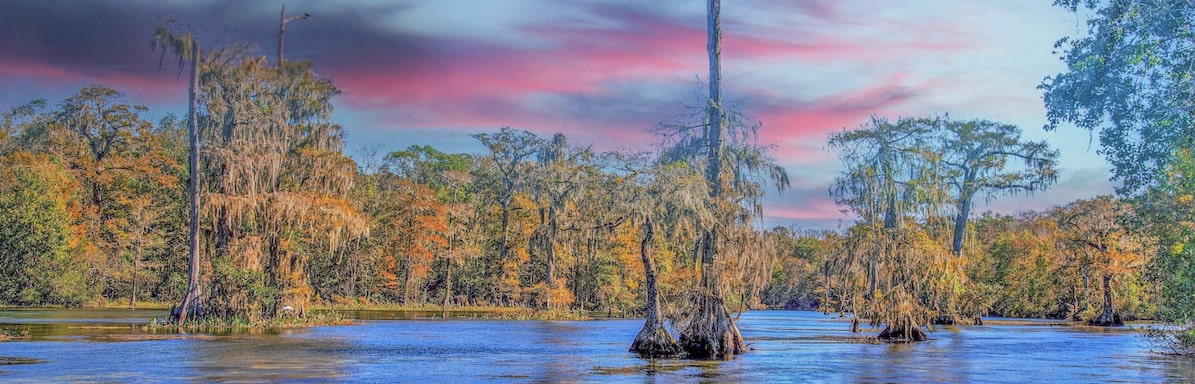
{"x":789,"y":346}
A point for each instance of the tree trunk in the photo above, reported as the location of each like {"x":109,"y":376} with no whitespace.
{"x":133,"y":294}
{"x":281,"y":33}
{"x":504,"y":244}
{"x":447,"y":288}
{"x":1108,"y":317}
{"x":711,"y":331}
{"x":191,"y":300}
{"x":406,"y":282}
{"x":653,"y":340}
{"x":960,"y":225}
{"x":1086,"y":289}
{"x":551,"y":246}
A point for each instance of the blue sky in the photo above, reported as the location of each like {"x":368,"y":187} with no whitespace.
{"x":433,"y":72}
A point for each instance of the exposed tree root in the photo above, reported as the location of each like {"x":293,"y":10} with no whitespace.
{"x":654,"y":341}
{"x":902,"y":334}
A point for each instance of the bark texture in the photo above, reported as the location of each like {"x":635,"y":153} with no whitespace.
{"x":190,"y":301}
{"x":711,"y":332}
{"x":1108,"y":317}
{"x":653,"y":340}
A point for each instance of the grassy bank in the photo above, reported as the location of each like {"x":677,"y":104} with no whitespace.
{"x":218,"y":324}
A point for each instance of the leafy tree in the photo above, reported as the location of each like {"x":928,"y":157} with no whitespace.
{"x":560,"y":173}
{"x":510,"y":154}
{"x":124,"y":164}
{"x":276,"y":182}
{"x":797,"y":281}
{"x":975,"y":158}
{"x":1020,"y":264}
{"x":449,"y":176}
{"x":1092,"y":228}
{"x":1129,"y":78}
{"x":40,"y":247}
{"x":892,"y":272}
{"x":18,"y":124}
{"x":1168,"y":210}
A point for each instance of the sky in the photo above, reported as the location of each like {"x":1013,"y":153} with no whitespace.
{"x":600,"y":71}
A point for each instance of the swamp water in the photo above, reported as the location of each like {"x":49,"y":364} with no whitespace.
{"x":789,"y":346}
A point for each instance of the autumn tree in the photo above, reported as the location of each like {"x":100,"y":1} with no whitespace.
{"x":796,"y":280}
{"x":1019,"y":264}
{"x":1092,"y":228}
{"x":560,"y":172}
{"x":40,"y":240}
{"x":511,"y":152}
{"x":275,"y":182}
{"x":892,"y":272}
{"x":448,"y":175}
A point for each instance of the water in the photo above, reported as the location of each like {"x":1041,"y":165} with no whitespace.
{"x":108,"y":346}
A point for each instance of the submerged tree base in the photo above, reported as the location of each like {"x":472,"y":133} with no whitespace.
{"x":713,"y":333}
{"x":902,"y":335}
{"x":1107,"y":320}
{"x":653,"y":341}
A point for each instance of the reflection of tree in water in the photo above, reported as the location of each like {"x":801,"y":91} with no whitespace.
{"x":289,"y":355}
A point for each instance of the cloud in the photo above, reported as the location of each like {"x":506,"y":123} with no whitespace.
{"x":600,"y":71}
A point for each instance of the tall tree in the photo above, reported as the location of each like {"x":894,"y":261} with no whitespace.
{"x":891,"y":174}
{"x":276,"y":182}
{"x":734,"y":172}
{"x":511,"y":151}
{"x":1129,"y":78}
{"x":560,"y":172}
{"x":975,"y":157}
{"x":893,"y":272}
{"x":187,"y":48}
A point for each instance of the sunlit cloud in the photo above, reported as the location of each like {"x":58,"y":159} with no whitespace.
{"x":602,"y":72}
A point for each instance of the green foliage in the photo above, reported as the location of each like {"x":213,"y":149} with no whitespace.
{"x":1129,"y":78}
{"x":39,"y":247}
{"x":797,"y":280}
{"x":1169,"y":208}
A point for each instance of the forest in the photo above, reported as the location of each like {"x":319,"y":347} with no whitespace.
{"x":249,"y":208}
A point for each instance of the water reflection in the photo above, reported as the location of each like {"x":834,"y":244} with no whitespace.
{"x":68,"y":345}
{"x":287,"y":356}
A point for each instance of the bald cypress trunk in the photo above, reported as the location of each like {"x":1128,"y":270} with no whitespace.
{"x":191,"y":299}
{"x":711,"y":332}
{"x":1108,"y":316}
{"x":960,"y":225}
{"x":653,"y":340}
